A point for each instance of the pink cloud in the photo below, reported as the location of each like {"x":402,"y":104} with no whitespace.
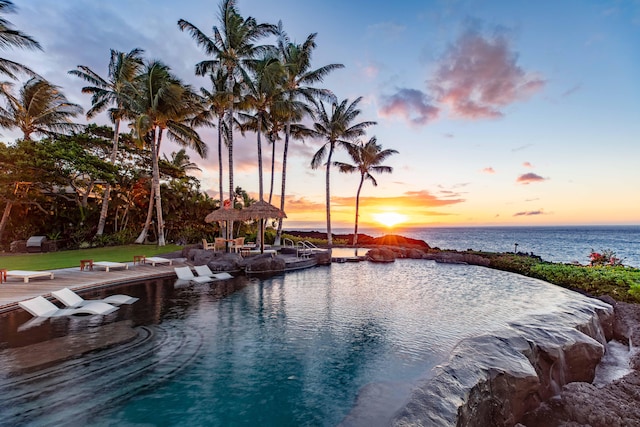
{"x":488,"y":170}
{"x":530,"y":177}
{"x":410,"y":104}
{"x":527,"y":165}
{"x":479,"y":76}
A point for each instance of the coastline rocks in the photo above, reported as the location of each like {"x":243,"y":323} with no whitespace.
{"x":381,"y":255}
{"x":494,"y":380}
{"x":458,"y":258}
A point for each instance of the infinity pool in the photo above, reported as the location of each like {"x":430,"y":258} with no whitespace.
{"x":317,"y":347}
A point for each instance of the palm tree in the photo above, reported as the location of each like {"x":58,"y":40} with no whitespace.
{"x":123,"y":67}
{"x":232,"y":46}
{"x":337,"y":130}
{"x":39,"y":108}
{"x":296,"y":59}
{"x":263,"y":90}
{"x":215,"y":103}
{"x":13,"y":38}
{"x":179,"y":164}
{"x":367,"y":158}
{"x":162,"y":102}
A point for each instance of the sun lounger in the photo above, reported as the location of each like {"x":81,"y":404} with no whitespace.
{"x":185,"y":273}
{"x":73,"y":300}
{"x":26,"y":275}
{"x":40,"y":307}
{"x":205,"y":271}
{"x":157,"y":260}
{"x":108,"y":265}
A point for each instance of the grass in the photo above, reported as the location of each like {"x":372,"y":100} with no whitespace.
{"x":65,"y":259}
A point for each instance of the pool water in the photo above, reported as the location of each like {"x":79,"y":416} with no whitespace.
{"x":317,"y":347}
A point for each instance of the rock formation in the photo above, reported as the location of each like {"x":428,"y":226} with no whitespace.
{"x":495,"y":379}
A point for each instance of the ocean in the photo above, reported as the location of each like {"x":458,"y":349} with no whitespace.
{"x":564,"y":244}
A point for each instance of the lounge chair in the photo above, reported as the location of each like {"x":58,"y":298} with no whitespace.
{"x":185,"y":273}
{"x":108,"y":265}
{"x":73,"y":300}
{"x":26,"y":275}
{"x":205,"y":271}
{"x":40,"y":307}
{"x":157,"y":260}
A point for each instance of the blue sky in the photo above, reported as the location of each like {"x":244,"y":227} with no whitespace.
{"x":504,"y":112}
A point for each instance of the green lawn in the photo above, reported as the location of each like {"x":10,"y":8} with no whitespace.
{"x":64,"y":259}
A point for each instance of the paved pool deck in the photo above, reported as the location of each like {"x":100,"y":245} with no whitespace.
{"x":14,"y":289}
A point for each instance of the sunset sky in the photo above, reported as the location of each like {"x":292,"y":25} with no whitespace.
{"x":503,"y":112}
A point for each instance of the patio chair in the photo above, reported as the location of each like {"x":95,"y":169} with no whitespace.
{"x":238,"y":244}
{"x":208,"y":246}
{"x":185,"y":274}
{"x":205,"y":271}
{"x":219,"y":244}
{"x":73,"y":300}
{"x":40,"y":307}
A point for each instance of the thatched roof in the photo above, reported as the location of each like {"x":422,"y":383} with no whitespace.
{"x":223,"y":214}
{"x":262,"y":210}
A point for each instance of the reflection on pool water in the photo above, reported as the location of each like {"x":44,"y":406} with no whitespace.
{"x":295,"y":349}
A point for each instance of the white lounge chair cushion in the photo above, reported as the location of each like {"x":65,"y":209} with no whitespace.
{"x":185,"y":273}
{"x":158,"y":260}
{"x":40,"y":307}
{"x":110,"y":264}
{"x":26,"y":275}
{"x":71,"y":299}
{"x":205,"y":271}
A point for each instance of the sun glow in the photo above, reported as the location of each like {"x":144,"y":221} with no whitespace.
{"x":389,"y":219}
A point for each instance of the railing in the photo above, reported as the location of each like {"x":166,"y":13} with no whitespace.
{"x":305,"y":249}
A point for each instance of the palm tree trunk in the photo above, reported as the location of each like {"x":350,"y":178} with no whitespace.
{"x":145,"y":230}
{"x":220,"y":160}
{"x":273,"y":168}
{"x":260,"y":234}
{"x":107,"y":189}
{"x":156,"y":184}
{"x":328,"y":201}
{"x":230,"y":142}
{"x":284,"y":179}
{"x":355,"y":232}
{"x":5,"y":217}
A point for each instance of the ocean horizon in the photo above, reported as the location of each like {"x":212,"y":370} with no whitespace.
{"x":563,"y":244}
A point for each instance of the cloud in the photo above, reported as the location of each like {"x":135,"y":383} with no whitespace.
{"x":479,"y":76}
{"x":409,"y":199}
{"x":530,"y":213}
{"x":412,"y":105}
{"x":527,"y":165}
{"x":572,"y":90}
{"x":386,"y":30}
{"x":488,"y":170}
{"x":530,"y":177}
{"x":522,"y":147}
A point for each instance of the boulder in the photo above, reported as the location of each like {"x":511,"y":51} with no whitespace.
{"x":381,"y":255}
{"x":264,"y":263}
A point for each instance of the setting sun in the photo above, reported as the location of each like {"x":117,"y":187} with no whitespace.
{"x":389,"y":219}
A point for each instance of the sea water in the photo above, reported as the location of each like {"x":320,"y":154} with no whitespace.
{"x":566,"y":244}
